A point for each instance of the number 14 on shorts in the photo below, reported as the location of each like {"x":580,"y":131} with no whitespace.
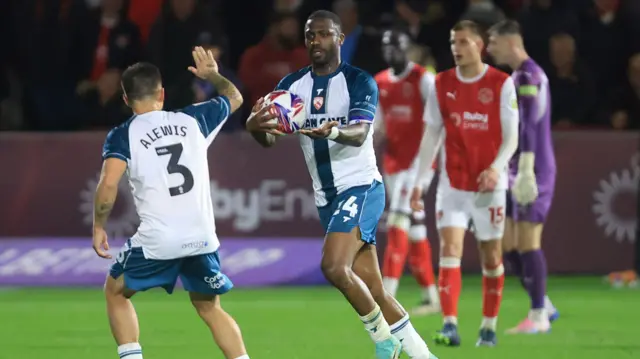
{"x":348,"y":207}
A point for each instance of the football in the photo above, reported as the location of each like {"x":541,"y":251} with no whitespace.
{"x":289,"y":109}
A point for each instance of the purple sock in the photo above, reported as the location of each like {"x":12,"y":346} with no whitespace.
{"x":534,"y":273}
{"x":515,"y":263}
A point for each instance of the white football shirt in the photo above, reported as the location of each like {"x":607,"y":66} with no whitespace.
{"x":168,"y":172}
{"x":349,"y":95}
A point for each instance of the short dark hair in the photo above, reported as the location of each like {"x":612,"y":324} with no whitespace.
{"x":505,"y":27}
{"x":141,"y":80}
{"x":326,"y":15}
{"x":467,"y":25}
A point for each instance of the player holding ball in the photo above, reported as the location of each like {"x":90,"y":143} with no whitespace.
{"x":337,"y":142}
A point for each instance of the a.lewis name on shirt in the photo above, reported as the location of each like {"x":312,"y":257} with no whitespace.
{"x":163,"y":131}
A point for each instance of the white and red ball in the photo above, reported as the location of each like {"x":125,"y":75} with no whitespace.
{"x":289,"y":110}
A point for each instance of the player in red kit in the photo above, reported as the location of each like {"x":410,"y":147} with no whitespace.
{"x":473,"y":111}
{"x":403,"y":90}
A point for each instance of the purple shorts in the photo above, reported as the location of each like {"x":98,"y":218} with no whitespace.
{"x":535,"y":213}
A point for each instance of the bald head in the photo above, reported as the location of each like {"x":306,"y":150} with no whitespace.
{"x":395,"y":46}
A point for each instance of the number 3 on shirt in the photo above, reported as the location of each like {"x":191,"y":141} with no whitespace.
{"x":348,"y":206}
{"x":174,"y":152}
{"x":497,"y":215}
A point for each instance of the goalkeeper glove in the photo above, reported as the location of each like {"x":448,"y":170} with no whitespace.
{"x":525,"y":187}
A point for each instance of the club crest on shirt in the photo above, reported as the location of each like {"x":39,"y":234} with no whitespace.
{"x":318,"y":101}
{"x":485,"y":95}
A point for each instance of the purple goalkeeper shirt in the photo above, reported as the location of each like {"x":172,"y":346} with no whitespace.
{"x":534,"y":102}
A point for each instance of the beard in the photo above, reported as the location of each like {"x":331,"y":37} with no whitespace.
{"x":324,"y":58}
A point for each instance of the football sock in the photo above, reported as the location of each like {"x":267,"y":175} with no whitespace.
{"x":412,"y":344}
{"x":548,"y":305}
{"x":130,"y":351}
{"x":515,"y":262}
{"x":243,"y":357}
{"x":420,"y":256}
{"x":538,"y":315}
{"x":534,"y":271}
{"x":395,"y":254}
{"x":492,"y":286}
{"x":376,"y":325}
{"x":449,"y":287}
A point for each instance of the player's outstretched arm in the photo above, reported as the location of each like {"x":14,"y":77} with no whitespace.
{"x":351,"y":135}
{"x":206,"y":68}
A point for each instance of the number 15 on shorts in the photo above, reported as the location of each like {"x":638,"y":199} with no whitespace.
{"x":496,"y":215}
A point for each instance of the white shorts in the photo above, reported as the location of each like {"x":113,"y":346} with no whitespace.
{"x":399,"y":187}
{"x":485,"y":212}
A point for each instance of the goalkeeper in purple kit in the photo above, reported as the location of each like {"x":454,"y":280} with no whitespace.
{"x":532,"y":175}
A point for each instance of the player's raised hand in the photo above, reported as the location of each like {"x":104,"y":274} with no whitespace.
{"x":320,"y":132}
{"x":488,"y":180}
{"x":205,"y":64}
{"x":417,"y":204}
{"x":100,"y":243}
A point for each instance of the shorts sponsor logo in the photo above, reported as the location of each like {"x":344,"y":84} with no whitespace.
{"x":216,"y":282}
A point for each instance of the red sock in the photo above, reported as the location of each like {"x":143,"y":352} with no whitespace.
{"x":492,"y":286}
{"x":420,"y":262}
{"x":395,"y":254}
{"x":449,"y":285}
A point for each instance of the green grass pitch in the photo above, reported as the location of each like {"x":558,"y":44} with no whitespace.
{"x":314,"y":323}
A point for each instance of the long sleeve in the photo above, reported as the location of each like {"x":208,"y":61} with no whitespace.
{"x":431,"y":139}
{"x":509,"y":119}
{"x":378,"y":122}
{"x":528,"y":96}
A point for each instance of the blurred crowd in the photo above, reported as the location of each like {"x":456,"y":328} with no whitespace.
{"x":62,"y":59}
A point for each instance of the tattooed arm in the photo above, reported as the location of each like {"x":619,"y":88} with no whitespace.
{"x":112,"y":171}
{"x":226,"y":88}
